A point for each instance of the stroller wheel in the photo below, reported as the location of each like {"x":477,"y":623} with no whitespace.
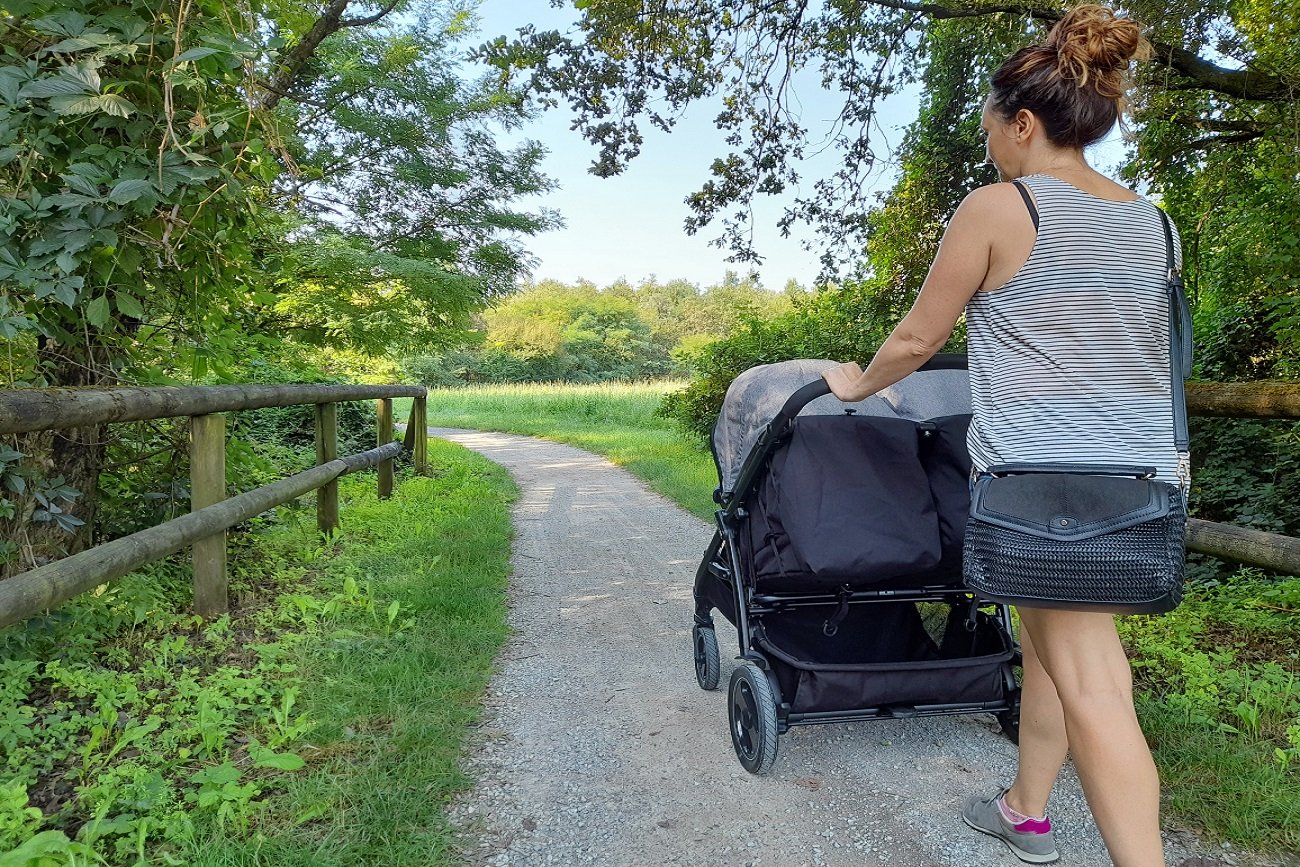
{"x":752,"y":714}
{"x":708,"y":665}
{"x":1010,"y":722}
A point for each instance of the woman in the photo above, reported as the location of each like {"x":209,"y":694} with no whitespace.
{"x":1062,"y":280}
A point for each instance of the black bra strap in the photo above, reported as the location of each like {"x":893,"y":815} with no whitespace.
{"x":1029,"y":203}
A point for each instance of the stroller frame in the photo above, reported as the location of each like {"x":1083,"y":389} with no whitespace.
{"x":757,"y":713}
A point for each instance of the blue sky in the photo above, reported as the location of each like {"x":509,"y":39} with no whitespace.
{"x":631,"y":226}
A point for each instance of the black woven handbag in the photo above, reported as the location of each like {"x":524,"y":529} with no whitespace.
{"x":1087,"y":537}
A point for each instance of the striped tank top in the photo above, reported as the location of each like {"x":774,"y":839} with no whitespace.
{"x":1069,"y":360}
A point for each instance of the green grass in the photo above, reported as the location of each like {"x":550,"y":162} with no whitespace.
{"x":390,"y":711}
{"x":614,"y":420}
{"x":1218,"y":680}
{"x":320,"y":724}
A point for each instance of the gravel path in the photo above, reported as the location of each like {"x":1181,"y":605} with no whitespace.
{"x":599,"y":748}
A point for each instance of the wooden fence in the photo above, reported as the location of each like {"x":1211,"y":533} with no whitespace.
{"x":1279,"y":400}
{"x":212,"y":513}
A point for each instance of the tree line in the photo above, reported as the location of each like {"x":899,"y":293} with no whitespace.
{"x":550,"y":331}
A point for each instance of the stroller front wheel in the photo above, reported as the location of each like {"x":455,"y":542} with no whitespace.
{"x":752,"y":714}
{"x":708,"y":664}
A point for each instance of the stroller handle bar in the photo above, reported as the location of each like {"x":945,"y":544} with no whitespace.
{"x":777,"y":427}
{"x":819,"y":387}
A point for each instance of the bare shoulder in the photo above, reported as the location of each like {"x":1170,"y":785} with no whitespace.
{"x":991,"y":211}
{"x":991,"y":201}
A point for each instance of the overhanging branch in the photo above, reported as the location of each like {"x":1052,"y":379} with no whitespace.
{"x":1246,"y":83}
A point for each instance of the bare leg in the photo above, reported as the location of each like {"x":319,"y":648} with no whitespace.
{"x":1043,"y":744}
{"x":1082,"y":655}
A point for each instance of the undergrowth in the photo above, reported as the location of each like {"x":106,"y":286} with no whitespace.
{"x":319,"y":721}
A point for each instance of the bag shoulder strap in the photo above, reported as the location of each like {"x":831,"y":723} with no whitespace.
{"x":1180,"y":336}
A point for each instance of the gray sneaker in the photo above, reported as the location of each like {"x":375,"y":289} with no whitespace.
{"x":1031,"y":840}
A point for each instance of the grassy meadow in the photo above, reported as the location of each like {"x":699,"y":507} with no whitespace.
{"x":616,"y":420}
{"x":1218,"y":680}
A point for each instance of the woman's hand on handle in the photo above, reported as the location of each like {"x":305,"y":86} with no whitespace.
{"x":843,"y":380}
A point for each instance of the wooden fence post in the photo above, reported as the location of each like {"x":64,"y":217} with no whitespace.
{"x":384,"y":407}
{"x":420,"y":409}
{"x":327,"y":449}
{"x":207,"y":488}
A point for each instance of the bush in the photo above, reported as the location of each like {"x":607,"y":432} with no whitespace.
{"x":845,"y":324}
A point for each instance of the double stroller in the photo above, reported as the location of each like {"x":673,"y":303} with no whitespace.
{"x":837,"y":557}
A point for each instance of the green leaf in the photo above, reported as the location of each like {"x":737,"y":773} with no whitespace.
{"x":129,"y":190}
{"x":80,"y":185}
{"x":128,"y":305}
{"x":97,"y":311}
{"x":80,"y":104}
{"x":196,"y":53}
{"x":116,"y":105}
{"x":57,"y":85}
{"x":11,"y":79}
{"x":71,"y":200}
{"x":85,"y":73}
{"x":79,"y":43}
{"x":279,"y":761}
{"x":38,"y":850}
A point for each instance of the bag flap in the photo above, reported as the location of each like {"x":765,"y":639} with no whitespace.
{"x":1068,"y":507}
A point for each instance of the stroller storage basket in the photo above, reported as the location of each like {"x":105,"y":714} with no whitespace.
{"x":881,"y":656}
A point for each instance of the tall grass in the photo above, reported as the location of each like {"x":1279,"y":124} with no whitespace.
{"x":616,"y":420}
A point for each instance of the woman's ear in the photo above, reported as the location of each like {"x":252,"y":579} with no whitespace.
{"x":1023,"y":125}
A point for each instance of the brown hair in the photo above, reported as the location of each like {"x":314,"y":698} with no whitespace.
{"x":1075,"y":79}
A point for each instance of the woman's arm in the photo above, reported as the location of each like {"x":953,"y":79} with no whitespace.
{"x":959,"y":269}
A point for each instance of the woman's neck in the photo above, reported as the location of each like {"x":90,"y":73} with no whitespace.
{"x":1059,"y":163}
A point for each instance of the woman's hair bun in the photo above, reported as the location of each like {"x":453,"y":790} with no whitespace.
{"x":1094,"y":45}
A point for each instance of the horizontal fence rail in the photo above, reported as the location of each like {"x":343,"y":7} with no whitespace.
{"x":26,"y":410}
{"x":1244,"y":399}
{"x":1269,"y":400}
{"x":212,"y":513}
{"x":55,"y":583}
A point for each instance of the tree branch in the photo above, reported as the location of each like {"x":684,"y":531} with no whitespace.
{"x":1247,"y":83}
{"x":1211,"y":141}
{"x":330,"y":22}
{"x":369,"y":19}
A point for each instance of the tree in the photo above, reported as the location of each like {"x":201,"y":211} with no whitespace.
{"x":178,"y":182}
{"x":629,"y":62}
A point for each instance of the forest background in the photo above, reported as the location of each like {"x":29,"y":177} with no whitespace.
{"x":272,"y":191}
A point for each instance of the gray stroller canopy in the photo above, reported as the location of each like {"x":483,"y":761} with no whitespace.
{"x":757,"y":395}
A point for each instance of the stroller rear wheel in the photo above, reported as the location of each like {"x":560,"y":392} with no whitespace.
{"x":752,"y":714}
{"x":708,"y":664}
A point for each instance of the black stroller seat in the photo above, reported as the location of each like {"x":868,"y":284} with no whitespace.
{"x":838,"y":558}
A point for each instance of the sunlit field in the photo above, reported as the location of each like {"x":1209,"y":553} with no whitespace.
{"x":616,"y":420}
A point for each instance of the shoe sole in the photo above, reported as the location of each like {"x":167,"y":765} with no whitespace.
{"x":1028,"y":857}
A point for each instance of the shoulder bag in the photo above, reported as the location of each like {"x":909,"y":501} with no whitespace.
{"x":1088,"y":537}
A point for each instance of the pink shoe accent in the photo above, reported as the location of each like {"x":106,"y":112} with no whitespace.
{"x":1021,"y":823}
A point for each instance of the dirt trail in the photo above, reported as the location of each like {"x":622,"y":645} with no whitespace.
{"x":599,"y":748}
